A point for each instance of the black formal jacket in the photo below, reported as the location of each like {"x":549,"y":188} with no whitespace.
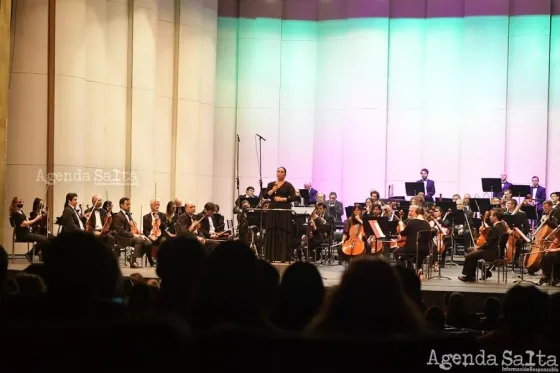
{"x":413,"y":226}
{"x":525,"y":227}
{"x":70,"y":220}
{"x":554,"y":219}
{"x":93,"y":219}
{"x":147,"y":223}
{"x":122,"y":227}
{"x":493,"y":238}
{"x":184,"y":222}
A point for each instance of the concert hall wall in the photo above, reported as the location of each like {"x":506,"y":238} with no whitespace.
{"x":356,"y":95}
{"x":121,"y":101}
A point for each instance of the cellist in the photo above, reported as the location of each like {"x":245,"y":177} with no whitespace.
{"x":356,"y":218}
{"x":552,"y":254}
{"x":440,"y":224}
{"x":97,"y":220}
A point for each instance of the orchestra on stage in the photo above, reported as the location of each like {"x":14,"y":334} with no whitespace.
{"x":512,"y":226}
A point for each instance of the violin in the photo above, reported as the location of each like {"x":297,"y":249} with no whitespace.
{"x":401,"y":227}
{"x":108,"y":223}
{"x":156,"y":229}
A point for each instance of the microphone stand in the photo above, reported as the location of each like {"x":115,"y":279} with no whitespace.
{"x":237,"y":174}
{"x":262,"y":256}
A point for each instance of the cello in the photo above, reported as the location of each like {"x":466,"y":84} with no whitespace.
{"x":484,"y":230}
{"x":539,"y":246}
{"x":355,"y":244}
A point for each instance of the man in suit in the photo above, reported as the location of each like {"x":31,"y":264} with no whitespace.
{"x":312,"y":193}
{"x":97,"y":220}
{"x":148,"y":222}
{"x":251,"y":198}
{"x":429,"y":185}
{"x":208,"y":229}
{"x":179,"y":208}
{"x":521,"y":222}
{"x":416,"y":223}
{"x":334,"y":207}
{"x":489,"y":250}
{"x":538,"y":193}
{"x":203,"y":235}
{"x":555,"y":199}
{"x":70,"y":220}
{"x":505,"y":185}
{"x":125,"y":237}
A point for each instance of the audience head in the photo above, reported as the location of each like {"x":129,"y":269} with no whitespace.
{"x":435,"y":317}
{"x":519,"y":302}
{"x":80,"y":268}
{"x":3,"y":265}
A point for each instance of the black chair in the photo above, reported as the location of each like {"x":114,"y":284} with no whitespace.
{"x":500,"y":263}
{"x":15,"y":240}
{"x":424,"y":237}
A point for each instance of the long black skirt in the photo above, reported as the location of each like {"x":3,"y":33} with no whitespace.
{"x":277,"y":242}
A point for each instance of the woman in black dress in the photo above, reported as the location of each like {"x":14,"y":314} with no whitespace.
{"x":279,"y":217}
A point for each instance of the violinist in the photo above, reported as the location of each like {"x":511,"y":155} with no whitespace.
{"x":70,"y":220}
{"x":154,"y":226}
{"x":97,"y":221}
{"x":374,"y":194}
{"x":489,"y":250}
{"x":552,"y":256}
{"x":42,"y":226}
{"x":368,"y":211}
{"x":250,"y":195}
{"x":205,"y":229}
{"x":388,"y":212}
{"x":319,"y":229}
{"x":441,"y":225}
{"x":416,"y":223}
{"x":128,"y":234}
{"x":186,"y":220}
{"x":22,"y":228}
{"x":171,"y":217}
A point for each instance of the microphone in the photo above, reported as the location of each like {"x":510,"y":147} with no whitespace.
{"x":260,"y":137}
{"x":238,"y":140}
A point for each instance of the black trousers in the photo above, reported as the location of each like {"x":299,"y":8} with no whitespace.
{"x":472,"y":258}
{"x":141,"y":246}
{"x":40,"y":240}
{"x":402,"y":254}
{"x":549,"y":261}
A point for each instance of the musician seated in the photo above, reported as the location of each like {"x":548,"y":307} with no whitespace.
{"x":442,"y":227}
{"x":97,"y":221}
{"x":70,"y":220}
{"x":22,"y":228}
{"x":154,"y":226}
{"x":171,"y":218}
{"x":319,"y":230}
{"x":190,"y":224}
{"x":462,"y":232}
{"x":550,"y":262}
{"x":490,"y":250}
{"x":219,"y":222}
{"x":242,"y":222}
{"x":521,"y":217}
{"x":123,"y":224}
{"x":413,"y":250}
{"x":347,"y":233}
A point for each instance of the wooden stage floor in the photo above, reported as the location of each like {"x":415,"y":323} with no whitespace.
{"x":332,"y":274}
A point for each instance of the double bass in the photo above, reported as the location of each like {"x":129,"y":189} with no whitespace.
{"x":539,"y":245}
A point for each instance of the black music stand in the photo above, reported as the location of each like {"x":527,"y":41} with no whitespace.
{"x":253,"y":201}
{"x":491,"y":185}
{"x":530,"y":211}
{"x":520,"y":190}
{"x":349,"y":211}
{"x":256,"y":218}
{"x":483,"y":205}
{"x":439,"y":276}
{"x":457,"y":217}
{"x":304,"y":193}
{"x":412,"y":189}
{"x":368,"y":229}
{"x":361,"y":204}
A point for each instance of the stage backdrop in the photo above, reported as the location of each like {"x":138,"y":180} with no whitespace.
{"x":357,"y":95}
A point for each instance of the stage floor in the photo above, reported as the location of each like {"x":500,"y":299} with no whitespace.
{"x":332,"y":274}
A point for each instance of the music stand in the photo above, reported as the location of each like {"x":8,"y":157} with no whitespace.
{"x":457,"y":217}
{"x":304,"y":193}
{"x":371,"y":230}
{"x":530,"y":211}
{"x":253,"y":201}
{"x":522,"y":279}
{"x":412,"y":189}
{"x":349,"y":211}
{"x":483,"y":205}
{"x":520,"y":190}
{"x":255,"y":217}
{"x":491,"y":185}
{"x":434,"y":234}
{"x":389,"y":229}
